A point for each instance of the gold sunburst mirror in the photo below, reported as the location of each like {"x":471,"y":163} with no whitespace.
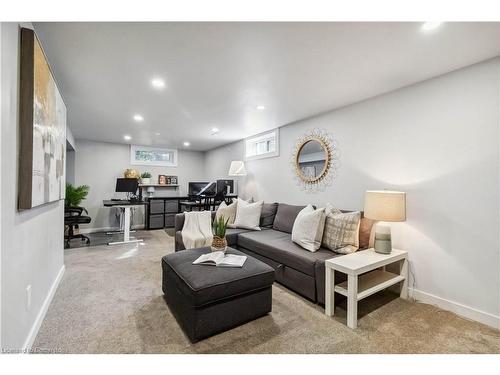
{"x":315,"y":160}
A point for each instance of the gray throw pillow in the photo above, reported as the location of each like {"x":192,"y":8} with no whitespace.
{"x":285,"y":217}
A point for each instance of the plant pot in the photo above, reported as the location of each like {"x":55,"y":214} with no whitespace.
{"x":219,"y":244}
{"x":146,"y":181}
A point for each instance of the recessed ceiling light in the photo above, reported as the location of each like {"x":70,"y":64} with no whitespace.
{"x":158,"y":83}
{"x":127,"y":137}
{"x":215,"y":131}
{"x":157,"y":133}
{"x":428,"y":26}
{"x":138,"y":118}
{"x":261,"y":107}
{"x":187,"y":144}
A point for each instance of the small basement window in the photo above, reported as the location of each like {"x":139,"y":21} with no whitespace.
{"x":265,"y":145}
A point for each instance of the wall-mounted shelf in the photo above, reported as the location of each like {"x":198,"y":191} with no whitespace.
{"x":159,"y":185}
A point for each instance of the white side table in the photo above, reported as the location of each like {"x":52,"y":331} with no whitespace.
{"x":361,"y":282}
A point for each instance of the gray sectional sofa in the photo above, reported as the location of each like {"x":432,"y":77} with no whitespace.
{"x":296,"y":268}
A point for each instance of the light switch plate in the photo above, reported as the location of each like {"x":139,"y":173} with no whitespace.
{"x":28,"y":297}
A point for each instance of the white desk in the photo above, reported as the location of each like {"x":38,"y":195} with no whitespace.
{"x":361,"y":282}
{"x":125,"y":206}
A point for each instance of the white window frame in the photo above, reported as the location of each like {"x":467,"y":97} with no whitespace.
{"x":134,"y":161}
{"x":260,"y":136}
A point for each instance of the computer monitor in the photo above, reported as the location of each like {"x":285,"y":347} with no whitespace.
{"x":222,"y":187}
{"x":201,"y":188}
{"x":127,"y":185}
{"x":209,"y":189}
{"x":194,"y":188}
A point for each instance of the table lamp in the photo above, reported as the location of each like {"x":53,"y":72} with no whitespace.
{"x":384,"y":205}
{"x":237,"y":168}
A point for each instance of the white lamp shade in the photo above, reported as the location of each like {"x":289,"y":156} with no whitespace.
{"x":237,"y":168}
{"x":385,"y":205}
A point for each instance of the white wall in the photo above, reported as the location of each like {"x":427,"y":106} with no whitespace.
{"x":31,"y":241}
{"x":70,"y":139}
{"x":70,"y":165}
{"x":99,"y":164}
{"x":439,"y":142}
{"x":70,"y":156}
{"x":1,"y":106}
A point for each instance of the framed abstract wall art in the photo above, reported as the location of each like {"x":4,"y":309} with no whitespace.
{"x":42,"y":123}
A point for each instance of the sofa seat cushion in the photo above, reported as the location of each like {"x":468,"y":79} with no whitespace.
{"x":278,"y":246}
{"x":201,"y":284}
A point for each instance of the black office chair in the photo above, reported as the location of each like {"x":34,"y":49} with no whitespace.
{"x":202,"y":203}
{"x":188,"y":205}
{"x":220,"y":197}
{"x":208,"y":203}
{"x":72,"y":219}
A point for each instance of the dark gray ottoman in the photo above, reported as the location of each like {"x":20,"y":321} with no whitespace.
{"x":207,"y":300}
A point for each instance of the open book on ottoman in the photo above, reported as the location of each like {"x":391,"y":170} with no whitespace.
{"x":219,"y":259}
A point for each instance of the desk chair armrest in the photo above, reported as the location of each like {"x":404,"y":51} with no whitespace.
{"x":75,"y":210}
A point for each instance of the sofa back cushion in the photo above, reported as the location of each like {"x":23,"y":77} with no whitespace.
{"x":285,"y":217}
{"x":268,"y":214}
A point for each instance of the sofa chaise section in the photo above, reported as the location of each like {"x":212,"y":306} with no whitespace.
{"x":296,"y":268}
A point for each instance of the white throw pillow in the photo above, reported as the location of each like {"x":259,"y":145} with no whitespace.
{"x":248,"y":214}
{"x":229,"y":212}
{"x":308,"y":227}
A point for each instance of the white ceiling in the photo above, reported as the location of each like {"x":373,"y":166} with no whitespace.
{"x":217,"y":73}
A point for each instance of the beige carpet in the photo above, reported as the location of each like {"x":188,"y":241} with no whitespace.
{"x":110,"y":301}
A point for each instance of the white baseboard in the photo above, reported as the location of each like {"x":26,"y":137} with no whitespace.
{"x":43,"y":310}
{"x":457,"y":308}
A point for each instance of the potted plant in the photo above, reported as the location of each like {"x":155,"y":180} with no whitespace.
{"x":219,"y":227}
{"x":75,"y":195}
{"x":146,"y":178}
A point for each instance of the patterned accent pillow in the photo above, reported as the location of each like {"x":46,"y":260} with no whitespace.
{"x":341,"y":232}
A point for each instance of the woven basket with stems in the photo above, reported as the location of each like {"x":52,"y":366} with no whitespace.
{"x":219,"y":227}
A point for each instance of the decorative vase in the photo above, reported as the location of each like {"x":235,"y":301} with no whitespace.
{"x":146,"y":181}
{"x":131,"y":173}
{"x":219,"y":244}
